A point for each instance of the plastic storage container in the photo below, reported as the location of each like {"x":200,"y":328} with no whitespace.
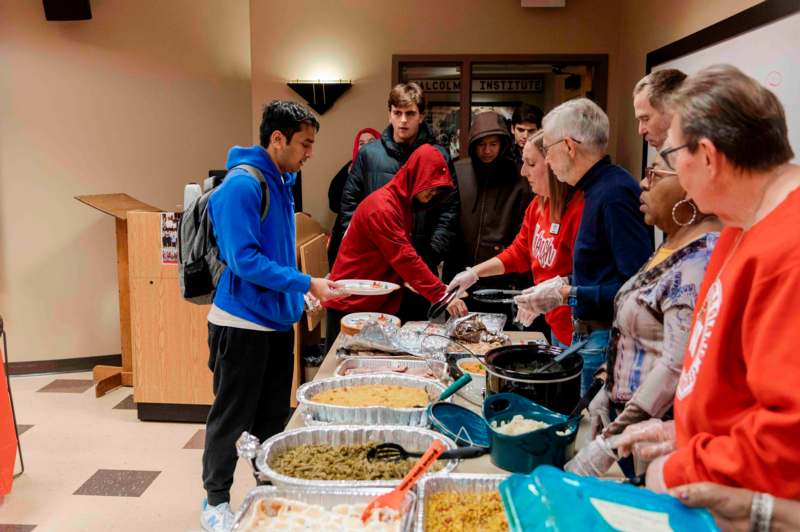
{"x":524,"y":452}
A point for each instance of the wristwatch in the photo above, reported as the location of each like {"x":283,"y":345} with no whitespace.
{"x":572,"y":298}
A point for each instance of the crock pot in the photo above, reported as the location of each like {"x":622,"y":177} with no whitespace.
{"x":512,"y":368}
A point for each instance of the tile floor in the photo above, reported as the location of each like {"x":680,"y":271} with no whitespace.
{"x":90,"y":465}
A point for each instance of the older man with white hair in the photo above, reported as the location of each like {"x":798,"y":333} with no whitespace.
{"x":613,"y":241}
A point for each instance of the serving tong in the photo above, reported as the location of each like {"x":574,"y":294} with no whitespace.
{"x":440,"y":306}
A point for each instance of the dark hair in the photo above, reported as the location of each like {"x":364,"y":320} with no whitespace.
{"x":527,"y":113}
{"x":286,"y":117}
{"x":744,"y":120}
{"x":405,"y":94}
{"x":662,"y":83}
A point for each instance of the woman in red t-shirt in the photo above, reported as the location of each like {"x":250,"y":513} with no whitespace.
{"x":545,"y":242}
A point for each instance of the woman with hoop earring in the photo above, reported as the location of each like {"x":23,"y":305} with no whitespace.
{"x":652,"y":317}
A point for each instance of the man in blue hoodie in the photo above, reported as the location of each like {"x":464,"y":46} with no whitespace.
{"x":258,"y":298}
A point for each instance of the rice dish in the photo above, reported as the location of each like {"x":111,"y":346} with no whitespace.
{"x":518,"y":425}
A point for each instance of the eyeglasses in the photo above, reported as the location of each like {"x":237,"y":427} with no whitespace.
{"x":546,"y":148}
{"x":666,"y":152}
{"x":653,"y":175}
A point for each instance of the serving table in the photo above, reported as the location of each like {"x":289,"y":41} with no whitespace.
{"x":480,"y":465}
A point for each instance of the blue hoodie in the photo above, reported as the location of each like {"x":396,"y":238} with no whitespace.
{"x":261,"y":283}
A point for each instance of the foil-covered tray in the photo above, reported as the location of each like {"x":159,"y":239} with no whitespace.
{"x":458,"y":482}
{"x":437,"y":367}
{"x":413,"y":439}
{"x":367,"y":415}
{"x":326,"y":498}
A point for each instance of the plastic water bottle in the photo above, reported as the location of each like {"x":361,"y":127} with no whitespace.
{"x":191,"y":192}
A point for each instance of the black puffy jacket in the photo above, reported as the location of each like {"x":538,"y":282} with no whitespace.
{"x":377,"y":163}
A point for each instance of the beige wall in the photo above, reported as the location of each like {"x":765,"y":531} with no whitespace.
{"x":355,"y":39}
{"x":143,"y":98}
{"x":646,"y":26}
{"x":149,"y":94}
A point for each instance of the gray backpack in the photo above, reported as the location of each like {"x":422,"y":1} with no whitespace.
{"x":199,"y":265}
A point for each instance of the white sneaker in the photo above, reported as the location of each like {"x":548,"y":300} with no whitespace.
{"x":217,"y":518}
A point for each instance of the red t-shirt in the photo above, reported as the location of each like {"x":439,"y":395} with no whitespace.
{"x":546,"y":250}
{"x":737,"y":405}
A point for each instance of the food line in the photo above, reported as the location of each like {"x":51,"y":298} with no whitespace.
{"x":479,"y":465}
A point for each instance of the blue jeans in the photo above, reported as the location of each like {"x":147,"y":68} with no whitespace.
{"x":593,"y":353}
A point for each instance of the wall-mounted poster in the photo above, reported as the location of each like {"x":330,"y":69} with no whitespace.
{"x":169,"y":237}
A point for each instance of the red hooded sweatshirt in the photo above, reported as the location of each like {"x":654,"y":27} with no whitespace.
{"x":377,"y":244}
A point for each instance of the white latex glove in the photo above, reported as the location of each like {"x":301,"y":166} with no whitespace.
{"x":599,"y":412}
{"x":463,"y":281}
{"x":593,"y":460}
{"x":646,"y":440}
{"x":543,"y":297}
{"x":525,"y":317}
{"x":654,"y":479}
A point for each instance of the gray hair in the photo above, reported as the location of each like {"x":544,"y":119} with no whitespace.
{"x":743,"y":119}
{"x":580,"y":119}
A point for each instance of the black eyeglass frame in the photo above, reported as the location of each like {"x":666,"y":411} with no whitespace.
{"x":665,"y":153}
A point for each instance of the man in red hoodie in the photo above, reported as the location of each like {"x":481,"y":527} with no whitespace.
{"x":377,"y":244}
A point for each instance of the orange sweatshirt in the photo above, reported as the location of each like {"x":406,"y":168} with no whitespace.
{"x":737,"y":406}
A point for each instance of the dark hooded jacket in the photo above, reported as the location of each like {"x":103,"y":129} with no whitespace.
{"x":377,"y":244}
{"x":493,"y":199}
{"x":377,"y":163}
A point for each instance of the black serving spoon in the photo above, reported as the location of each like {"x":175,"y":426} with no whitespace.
{"x":393,"y":452}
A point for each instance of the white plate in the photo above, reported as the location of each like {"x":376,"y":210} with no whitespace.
{"x":357,"y":320}
{"x":362,"y":287}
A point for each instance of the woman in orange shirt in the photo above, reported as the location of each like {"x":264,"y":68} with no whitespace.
{"x":737,"y":405}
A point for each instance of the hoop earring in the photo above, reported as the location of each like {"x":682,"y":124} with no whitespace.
{"x":694,"y":212}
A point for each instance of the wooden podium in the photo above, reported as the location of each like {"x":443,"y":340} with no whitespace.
{"x":107,"y":378}
{"x":171,"y":379}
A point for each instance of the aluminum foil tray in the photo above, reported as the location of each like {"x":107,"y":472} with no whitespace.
{"x":437,"y":367}
{"x":452,"y":482}
{"x":367,"y":415}
{"x":413,"y":439}
{"x":327,"y":498}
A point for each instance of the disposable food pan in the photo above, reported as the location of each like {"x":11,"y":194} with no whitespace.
{"x":320,"y":413}
{"x":326,"y":498}
{"x":437,"y":367}
{"x":462,"y":483}
{"x":413,"y":439}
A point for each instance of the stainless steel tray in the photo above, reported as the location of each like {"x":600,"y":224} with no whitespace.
{"x":437,"y":367}
{"x":411,"y":438}
{"x":327,"y":498}
{"x":460,"y":482}
{"x":366,"y":415}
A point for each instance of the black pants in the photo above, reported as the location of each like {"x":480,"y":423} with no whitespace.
{"x":252,"y":384}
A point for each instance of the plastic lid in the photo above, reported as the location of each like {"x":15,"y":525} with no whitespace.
{"x":569,"y":502}
{"x":459,"y":423}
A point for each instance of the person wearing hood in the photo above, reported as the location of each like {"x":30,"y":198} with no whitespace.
{"x":363,"y":137}
{"x":493,"y":199}
{"x":258,"y":298}
{"x":377,"y":244}
{"x":433,"y":231}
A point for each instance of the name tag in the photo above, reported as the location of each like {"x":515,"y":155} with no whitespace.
{"x":554,"y":228}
